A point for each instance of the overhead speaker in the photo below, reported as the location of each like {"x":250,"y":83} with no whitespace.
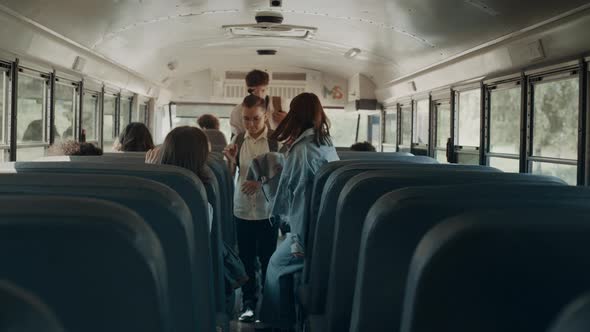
{"x":79,"y":64}
{"x":266,"y":52}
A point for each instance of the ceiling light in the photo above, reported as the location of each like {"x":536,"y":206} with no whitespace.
{"x":352,"y":53}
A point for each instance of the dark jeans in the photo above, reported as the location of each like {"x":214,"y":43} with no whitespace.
{"x":256,"y":238}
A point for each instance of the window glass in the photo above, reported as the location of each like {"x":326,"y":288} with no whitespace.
{"x":567,"y":173}
{"x":441,"y":156}
{"x":468,"y":159}
{"x":3,"y":92}
{"x":125,"y":112}
{"x":375,"y":130}
{"x":89,"y":116}
{"x":363,"y":133}
{"x":421,"y":122}
{"x":555,"y":130}
{"x":141,"y":117}
{"x":28,"y":154}
{"x":343,"y":127}
{"x":31,"y":108}
{"x":389,"y":148}
{"x":443,"y":124}
{"x":110,"y":103}
{"x":390,"y":136}
{"x":505,"y":164}
{"x":187,"y":115}
{"x":505,"y":120}
{"x":406,"y":126}
{"x":64,"y":111}
{"x":469,"y":117}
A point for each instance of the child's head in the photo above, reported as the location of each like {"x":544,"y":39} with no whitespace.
{"x":254,"y":114}
{"x":305,"y":112}
{"x":186,"y":147}
{"x":257,"y":82}
{"x":136,"y":137}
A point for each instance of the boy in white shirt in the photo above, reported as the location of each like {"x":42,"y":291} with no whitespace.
{"x":257,"y":237}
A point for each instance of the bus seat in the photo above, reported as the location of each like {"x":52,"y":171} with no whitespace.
{"x":184,"y":182}
{"x":499,"y":270}
{"x":575,"y":317}
{"x":325,"y":171}
{"x":160,"y":207}
{"x":95,"y":263}
{"x":23,"y":311}
{"x":224,"y":178}
{"x":364,"y":155}
{"x":402,"y":218}
{"x":320,"y":251}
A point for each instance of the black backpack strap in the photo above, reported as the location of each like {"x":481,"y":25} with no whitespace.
{"x":239,"y":142}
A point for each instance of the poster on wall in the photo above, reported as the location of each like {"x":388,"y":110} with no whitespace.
{"x":334,"y":91}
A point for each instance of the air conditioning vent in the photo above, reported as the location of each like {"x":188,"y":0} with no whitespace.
{"x":289,"y":76}
{"x":235,"y":75}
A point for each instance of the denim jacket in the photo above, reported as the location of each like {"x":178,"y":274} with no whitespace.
{"x":291,"y":203}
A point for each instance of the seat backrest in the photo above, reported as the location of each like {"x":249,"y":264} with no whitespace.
{"x":224,"y":179}
{"x":184,"y":182}
{"x":499,"y":270}
{"x":366,"y":155}
{"x":24,"y":312}
{"x":575,"y":317}
{"x":413,"y":211}
{"x":95,"y":263}
{"x":320,"y":252}
{"x":160,"y":207}
{"x":324,"y":172}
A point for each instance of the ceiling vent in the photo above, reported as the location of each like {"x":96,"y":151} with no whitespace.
{"x":266,"y":52}
{"x":269,"y":24}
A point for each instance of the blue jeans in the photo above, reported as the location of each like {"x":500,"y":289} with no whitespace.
{"x":278,"y":301}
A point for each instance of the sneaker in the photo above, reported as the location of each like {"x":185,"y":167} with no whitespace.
{"x":247,"y":316}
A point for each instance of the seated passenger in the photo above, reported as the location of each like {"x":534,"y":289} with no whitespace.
{"x":257,"y":237}
{"x":363,"y":146}
{"x":210,"y":125}
{"x":306,"y":129}
{"x":136,"y":137}
{"x":73,"y":148}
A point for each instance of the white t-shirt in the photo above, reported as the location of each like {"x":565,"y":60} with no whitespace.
{"x":235,"y":119}
{"x":251,"y":207}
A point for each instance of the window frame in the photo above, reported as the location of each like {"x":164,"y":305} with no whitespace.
{"x":465,"y":150}
{"x":46,"y":78}
{"x":556,"y":74}
{"x":512,"y":82}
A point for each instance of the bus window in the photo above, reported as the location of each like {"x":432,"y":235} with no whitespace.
{"x":64,"y":111}
{"x":443,"y":130}
{"x":406,"y":127}
{"x":125,"y":113}
{"x":568,"y":173}
{"x":31,"y":138}
{"x":421,"y":119}
{"x":375,"y":130}
{"x":555,"y":128}
{"x":363,"y":132}
{"x":505,"y":120}
{"x":110,"y":106}
{"x":3,"y":113}
{"x":555,"y":111}
{"x":90,"y":116}
{"x":505,"y":164}
{"x":188,"y":114}
{"x":468,"y":116}
{"x":390,"y":134}
{"x":142,"y":115}
{"x":342,"y":126}
{"x":468,"y":159}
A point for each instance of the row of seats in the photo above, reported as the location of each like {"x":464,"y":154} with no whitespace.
{"x":370,"y":217}
{"x":125,"y":246}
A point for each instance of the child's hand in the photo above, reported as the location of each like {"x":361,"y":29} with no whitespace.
{"x":153,"y":156}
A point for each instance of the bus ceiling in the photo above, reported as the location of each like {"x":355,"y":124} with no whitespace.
{"x":404,"y":47}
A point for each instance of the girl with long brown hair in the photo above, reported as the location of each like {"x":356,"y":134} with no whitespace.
{"x":306,"y":129}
